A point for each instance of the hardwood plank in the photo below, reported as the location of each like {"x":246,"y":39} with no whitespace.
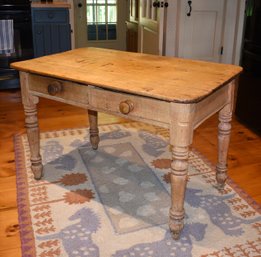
{"x":9,"y":230}
{"x":14,"y":252}
{"x":250,"y":171}
{"x":8,"y":193}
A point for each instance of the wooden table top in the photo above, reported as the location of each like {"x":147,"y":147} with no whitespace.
{"x":166,"y":78}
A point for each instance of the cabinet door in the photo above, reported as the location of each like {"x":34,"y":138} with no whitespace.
{"x":39,"y":37}
{"x":201,"y":27}
{"x":60,"y":38}
{"x":51,"y":38}
{"x":42,"y":39}
{"x":51,"y":30}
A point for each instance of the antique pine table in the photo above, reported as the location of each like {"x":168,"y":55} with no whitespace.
{"x":176,"y":94}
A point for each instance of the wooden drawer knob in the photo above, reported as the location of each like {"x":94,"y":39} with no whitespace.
{"x":126,"y":107}
{"x":55,"y":87}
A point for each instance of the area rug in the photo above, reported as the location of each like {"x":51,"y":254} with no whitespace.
{"x":114,"y":202}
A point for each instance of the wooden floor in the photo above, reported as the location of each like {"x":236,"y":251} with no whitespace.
{"x":244,"y":155}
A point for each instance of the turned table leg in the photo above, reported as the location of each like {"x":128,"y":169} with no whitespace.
{"x":179,"y":169}
{"x":94,"y":131}
{"x":224,"y":129}
{"x":181,"y":133}
{"x":31,"y":124}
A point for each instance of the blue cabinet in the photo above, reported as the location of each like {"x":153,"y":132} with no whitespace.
{"x":51,"y":30}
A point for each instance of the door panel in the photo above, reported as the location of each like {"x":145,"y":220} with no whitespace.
{"x":152,"y":26}
{"x":150,"y":36}
{"x":206,"y":20}
{"x":201,"y":29}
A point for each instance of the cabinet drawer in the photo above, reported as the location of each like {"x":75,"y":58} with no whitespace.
{"x":64,"y":91}
{"x":50,"y":15}
{"x":136,"y":107}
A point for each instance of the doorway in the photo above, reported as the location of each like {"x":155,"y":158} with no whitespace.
{"x":101,"y":23}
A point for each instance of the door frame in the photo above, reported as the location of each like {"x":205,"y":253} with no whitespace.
{"x":77,"y":25}
{"x":72,"y":22}
{"x":233,"y":34}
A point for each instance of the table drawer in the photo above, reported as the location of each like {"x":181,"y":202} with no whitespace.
{"x":64,"y":91}
{"x":128,"y":105}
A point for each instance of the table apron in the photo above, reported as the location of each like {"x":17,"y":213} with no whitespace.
{"x":148,"y":110}
{"x":145,"y":109}
{"x":210,"y":105}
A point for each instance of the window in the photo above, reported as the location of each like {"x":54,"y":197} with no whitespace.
{"x":102,"y":19}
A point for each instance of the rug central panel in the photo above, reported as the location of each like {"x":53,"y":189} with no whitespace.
{"x":132,"y":195}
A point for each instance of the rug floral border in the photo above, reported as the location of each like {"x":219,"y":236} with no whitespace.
{"x":24,"y":216}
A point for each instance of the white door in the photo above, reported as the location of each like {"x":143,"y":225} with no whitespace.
{"x":201,"y":29}
{"x":152,"y":26}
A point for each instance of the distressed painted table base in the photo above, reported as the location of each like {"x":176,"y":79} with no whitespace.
{"x":184,"y":118}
